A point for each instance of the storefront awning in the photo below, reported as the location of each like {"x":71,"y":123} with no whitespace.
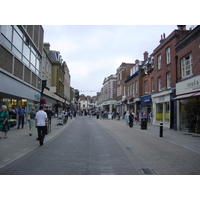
{"x":146,"y":100}
{"x":185,"y":96}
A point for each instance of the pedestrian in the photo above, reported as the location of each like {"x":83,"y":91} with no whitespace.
{"x":131,"y":118}
{"x":4,"y":125}
{"x":31,"y":120}
{"x":49,"y":115}
{"x":136,"y":119}
{"x":41,"y":121}
{"x":144,"y":115}
{"x":21,"y":113}
{"x":127,"y":118}
{"x":151,"y":117}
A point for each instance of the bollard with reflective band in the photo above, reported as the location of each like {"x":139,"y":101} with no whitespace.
{"x":161,"y":129}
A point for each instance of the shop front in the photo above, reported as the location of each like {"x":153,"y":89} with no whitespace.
{"x":109,"y":106}
{"x":14,"y":94}
{"x":188,"y":105}
{"x":161,"y":108}
{"x":146,"y":104}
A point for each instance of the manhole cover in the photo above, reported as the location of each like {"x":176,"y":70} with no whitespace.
{"x":128,"y":147}
{"x":147,"y":171}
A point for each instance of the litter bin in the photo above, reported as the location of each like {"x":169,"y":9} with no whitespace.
{"x":144,"y":123}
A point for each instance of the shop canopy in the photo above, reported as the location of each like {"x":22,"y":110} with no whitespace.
{"x":185,"y":96}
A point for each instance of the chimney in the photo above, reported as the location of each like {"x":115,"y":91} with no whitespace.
{"x":136,"y":61}
{"x":181,"y":27}
{"x":146,"y":54}
{"x":47,"y":46}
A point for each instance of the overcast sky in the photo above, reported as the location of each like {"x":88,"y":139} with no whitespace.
{"x":93,"y":52}
{"x":97,"y":36}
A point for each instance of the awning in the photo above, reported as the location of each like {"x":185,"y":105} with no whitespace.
{"x":185,"y":96}
{"x":146,"y":100}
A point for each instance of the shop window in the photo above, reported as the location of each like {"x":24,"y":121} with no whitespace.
{"x":166,"y":113}
{"x":159,"y":112}
{"x":190,"y":115}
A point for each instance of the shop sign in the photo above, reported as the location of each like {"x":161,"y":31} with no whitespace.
{"x":37,"y":97}
{"x":187,"y":86}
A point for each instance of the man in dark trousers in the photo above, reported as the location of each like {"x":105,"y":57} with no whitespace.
{"x":21,"y":113}
{"x":41,"y":121}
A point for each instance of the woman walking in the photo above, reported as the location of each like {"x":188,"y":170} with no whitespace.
{"x":31,"y":120}
{"x":127,"y":118}
{"x":4,"y":125}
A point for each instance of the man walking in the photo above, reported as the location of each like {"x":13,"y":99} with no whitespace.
{"x":41,"y":120}
{"x":21,"y":114}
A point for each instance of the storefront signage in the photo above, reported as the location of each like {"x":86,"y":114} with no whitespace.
{"x":187,"y":86}
{"x":37,"y":97}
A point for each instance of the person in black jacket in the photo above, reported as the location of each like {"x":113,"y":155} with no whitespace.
{"x":131,"y":118}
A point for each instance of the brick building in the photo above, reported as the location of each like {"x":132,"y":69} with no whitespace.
{"x":165,"y":77}
{"x":123,"y":72}
{"x":187,"y":101}
{"x":20,"y":60}
{"x":133,"y":87}
{"x":148,"y":86}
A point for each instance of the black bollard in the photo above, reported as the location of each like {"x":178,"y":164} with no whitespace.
{"x":161,"y":129}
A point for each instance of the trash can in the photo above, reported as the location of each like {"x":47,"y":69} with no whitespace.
{"x":144,"y":123}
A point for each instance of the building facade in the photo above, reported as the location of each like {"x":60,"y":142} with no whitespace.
{"x":122,"y":73}
{"x":20,"y":61}
{"x":187,"y":100}
{"x":109,"y":93}
{"x":165,"y":77}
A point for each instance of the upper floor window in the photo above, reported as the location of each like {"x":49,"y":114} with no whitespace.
{"x":152,"y":84}
{"x":168,"y":57}
{"x":159,"y":83}
{"x":168,"y":80}
{"x":186,"y":66}
{"x":133,"y":86}
{"x":136,"y":87}
{"x":145,"y":87}
{"x":159,"y":62}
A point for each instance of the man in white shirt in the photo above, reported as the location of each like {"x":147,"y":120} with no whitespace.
{"x":41,"y":120}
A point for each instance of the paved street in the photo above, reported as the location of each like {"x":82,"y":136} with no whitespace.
{"x":88,"y":146}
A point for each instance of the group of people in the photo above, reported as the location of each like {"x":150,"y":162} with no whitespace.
{"x":40,"y":120}
{"x":131,"y":117}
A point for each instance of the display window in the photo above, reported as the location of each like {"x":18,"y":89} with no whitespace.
{"x":190,"y":115}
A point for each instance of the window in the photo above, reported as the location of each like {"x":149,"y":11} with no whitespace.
{"x":17,"y":41}
{"x":168,"y":78}
{"x":152,"y":84}
{"x":168,"y":58}
{"x":159,"y":112}
{"x":186,"y":66}
{"x":7,"y":31}
{"x":159,"y":62}
{"x":145,"y":87}
{"x":159,"y":83}
{"x":133,"y":86}
{"x":136,"y":87}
